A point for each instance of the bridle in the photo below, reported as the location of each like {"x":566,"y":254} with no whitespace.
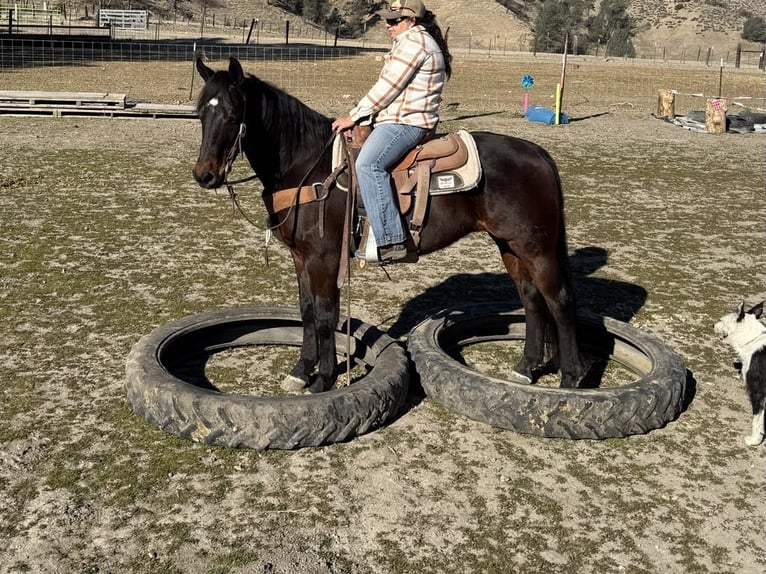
{"x":234,"y":152}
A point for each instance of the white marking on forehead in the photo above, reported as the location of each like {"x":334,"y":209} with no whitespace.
{"x":213,"y":102}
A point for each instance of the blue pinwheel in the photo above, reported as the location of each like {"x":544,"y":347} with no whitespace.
{"x":527,"y":82}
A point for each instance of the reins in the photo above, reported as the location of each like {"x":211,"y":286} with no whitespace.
{"x":236,"y":150}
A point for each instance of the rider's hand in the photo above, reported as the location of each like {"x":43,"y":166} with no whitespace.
{"x":343,"y":123}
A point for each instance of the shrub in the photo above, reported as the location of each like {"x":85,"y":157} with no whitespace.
{"x":754,"y":29}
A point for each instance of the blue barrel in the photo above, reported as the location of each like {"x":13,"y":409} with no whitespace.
{"x":544,"y":115}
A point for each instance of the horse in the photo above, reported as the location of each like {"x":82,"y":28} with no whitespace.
{"x":518,"y":201}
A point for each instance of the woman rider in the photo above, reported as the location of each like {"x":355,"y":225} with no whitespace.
{"x":403,"y":107}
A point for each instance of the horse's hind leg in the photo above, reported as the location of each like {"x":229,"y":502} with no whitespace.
{"x":535,"y":316}
{"x":552,"y":281}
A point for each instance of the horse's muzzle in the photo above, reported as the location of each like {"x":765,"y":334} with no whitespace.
{"x":206,"y":177}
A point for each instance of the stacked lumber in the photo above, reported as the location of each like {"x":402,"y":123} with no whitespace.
{"x":59,"y":104}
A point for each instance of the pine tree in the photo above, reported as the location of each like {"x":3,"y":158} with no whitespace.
{"x":613,"y":28}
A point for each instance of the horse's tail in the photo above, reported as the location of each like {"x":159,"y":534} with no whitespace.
{"x":567,"y":294}
{"x":562,"y":247}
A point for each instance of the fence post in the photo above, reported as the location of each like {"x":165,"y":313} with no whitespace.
{"x":738,"y":57}
{"x":287,"y":32}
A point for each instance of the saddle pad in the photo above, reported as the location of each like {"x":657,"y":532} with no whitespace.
{"x":462,"y":178}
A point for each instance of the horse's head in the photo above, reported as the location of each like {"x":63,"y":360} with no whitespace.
{"x":221,"y":109}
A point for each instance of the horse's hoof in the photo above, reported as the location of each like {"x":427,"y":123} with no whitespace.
{"x":318,"y":387}
{"x":754,"y":440}
{"x":291,"y":383}
{"x":517,"y":377}
{"x":569,"y":382}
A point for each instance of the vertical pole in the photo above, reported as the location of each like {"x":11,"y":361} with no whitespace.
{"x":194,"y":57}
{"x":720,"y":79}
{"x":250,"y":32}
{"x":560,"y":85}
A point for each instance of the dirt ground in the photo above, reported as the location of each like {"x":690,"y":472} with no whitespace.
{"x":105,"y":236}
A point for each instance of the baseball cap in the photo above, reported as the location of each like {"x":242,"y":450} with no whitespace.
{"x":402,"y":9}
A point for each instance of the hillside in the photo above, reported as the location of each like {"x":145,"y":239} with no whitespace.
{"x":676,"y":25}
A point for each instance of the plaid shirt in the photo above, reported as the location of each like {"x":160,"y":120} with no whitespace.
{"x":409,"y":87}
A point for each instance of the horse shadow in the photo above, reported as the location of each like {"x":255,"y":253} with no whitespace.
{"x":599,"y":295}
{"x":606,"y":297}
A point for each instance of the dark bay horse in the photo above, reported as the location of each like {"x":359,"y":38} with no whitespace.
{"x":518,"y":202}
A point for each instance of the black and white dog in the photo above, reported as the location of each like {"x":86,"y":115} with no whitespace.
{"x":747,"y":335}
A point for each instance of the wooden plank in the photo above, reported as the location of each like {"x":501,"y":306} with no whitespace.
{"x":63,"y":98}
{"x":175,"y":109}
{"x":138,"y":111}
{"x":27,"y":105}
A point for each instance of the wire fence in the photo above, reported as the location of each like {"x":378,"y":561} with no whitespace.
{"x":23,"y":53}
{"x":343,"y":73}
{"x":223,"y":28}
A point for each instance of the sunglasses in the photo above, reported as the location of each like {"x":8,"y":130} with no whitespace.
{"x":395,"y":21}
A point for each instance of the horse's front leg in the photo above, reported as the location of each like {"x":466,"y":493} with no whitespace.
{"x":319,"y":299}
{"x":301,"y":373}
{"x":326,"y":310}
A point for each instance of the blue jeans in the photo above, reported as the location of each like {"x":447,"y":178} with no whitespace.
{"x":387,"y":144}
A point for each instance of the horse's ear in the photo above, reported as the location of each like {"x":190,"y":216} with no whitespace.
{"x":757,"y":310}
{"x":236,"y":73}
{"x":203,"y":70}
